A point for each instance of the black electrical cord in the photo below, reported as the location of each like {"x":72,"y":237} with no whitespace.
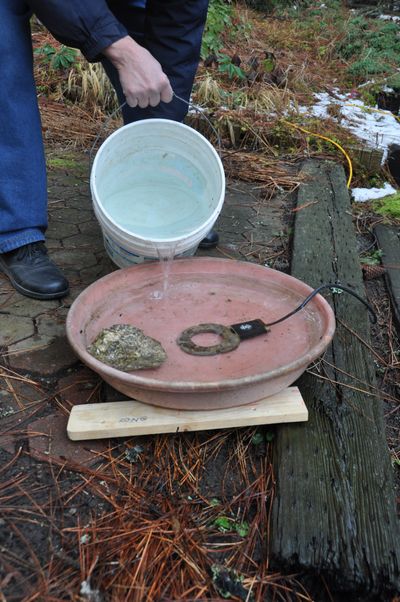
{"x":315,"y":292}
{"x":235,"y":333}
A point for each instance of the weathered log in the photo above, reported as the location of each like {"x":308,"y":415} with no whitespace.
{"x":334,"y":511}
{"x":389,"y":242}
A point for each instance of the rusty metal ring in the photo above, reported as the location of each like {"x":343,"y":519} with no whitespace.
{"x":229,"y":339}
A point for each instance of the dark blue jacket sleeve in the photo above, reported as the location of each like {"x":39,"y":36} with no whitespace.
{"x":85,"y":24}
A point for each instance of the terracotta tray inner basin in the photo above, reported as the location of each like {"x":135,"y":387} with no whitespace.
{"x":163,"y":299}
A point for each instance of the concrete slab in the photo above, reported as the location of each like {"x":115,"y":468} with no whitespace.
{"x":74,"y":258}
{"x":17,"y":395}
{"x":33,"y":343}
{"x":61,"y":230}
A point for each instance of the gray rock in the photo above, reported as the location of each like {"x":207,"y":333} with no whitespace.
{"x":127,"y":348}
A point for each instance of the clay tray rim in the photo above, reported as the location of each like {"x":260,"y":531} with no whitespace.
{"x":186,"y":386}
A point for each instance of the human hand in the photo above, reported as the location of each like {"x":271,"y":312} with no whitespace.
{"x":142,"y":79}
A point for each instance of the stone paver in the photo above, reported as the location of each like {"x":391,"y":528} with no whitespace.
{"x":61,"y":230}
{"x":33,"y":343}
{"x":46,"y":360}
{"x":80,"y":386}
{"x":13,"y":330}
{"x":20,"y":306}
{"x":48,"y":439}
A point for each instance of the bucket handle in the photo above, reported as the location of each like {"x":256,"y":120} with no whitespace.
{"x":103,"y":127}
{"x":197,"y":108}
{"x":202,"y":113}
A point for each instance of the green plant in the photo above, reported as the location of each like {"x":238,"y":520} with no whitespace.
{"x":62,"y":163}
{"x":365,"y":67}
{"x":257,"y":439}
{"x":220,"y":24}
{"x":46,"y":52}
{"x":394,"y":82}
{"x":229,"y":583}
{"x":374,"y":47}
{"x":61,"y":58}
{"x":228,"y":525}
{"x":226,"y":66}
{"x":373,"y":258}
{"x":369,"y":93}
{"x":219,"y":18}
{"x":242,"y":29}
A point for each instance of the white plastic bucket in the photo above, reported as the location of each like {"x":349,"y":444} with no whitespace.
{"x":157,"y":188}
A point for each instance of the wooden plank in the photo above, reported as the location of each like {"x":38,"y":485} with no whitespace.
{"x":128,"y":418}
{"x":334,"y":509}
{"x":389,"y":241}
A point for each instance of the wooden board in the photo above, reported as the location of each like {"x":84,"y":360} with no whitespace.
{"x":128,"y":418}
{"x":334,"y":506}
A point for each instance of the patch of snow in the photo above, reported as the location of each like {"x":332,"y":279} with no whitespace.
{"x":91,"y":594}
{"x":376,"y":127}
{"x":361,"y":195}
{"x":389,"y":18}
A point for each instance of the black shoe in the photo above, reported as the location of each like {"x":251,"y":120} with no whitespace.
{"x":210,"y":241}
{"x":32,"y":273}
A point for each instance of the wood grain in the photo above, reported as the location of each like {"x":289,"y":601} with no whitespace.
{"x":334,"y":509}
{"x":128,"y":418}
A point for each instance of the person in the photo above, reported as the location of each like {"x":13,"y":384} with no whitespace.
{"x":150,"y":50}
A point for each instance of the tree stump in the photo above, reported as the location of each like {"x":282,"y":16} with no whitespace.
{"x":334,"y":510}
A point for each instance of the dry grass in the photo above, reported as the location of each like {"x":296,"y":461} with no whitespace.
{"x":260,"y":98}
{"x":273,"y":175}
{"x":75,"y":103}
{"x":89,"y":86}
{"x":72,"y":125}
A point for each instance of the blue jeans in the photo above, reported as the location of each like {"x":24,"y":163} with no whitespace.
{"x":170,"y":29}
{"x":23,"y":188}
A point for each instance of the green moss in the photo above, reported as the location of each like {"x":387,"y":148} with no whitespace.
{"x":63,"y":163}
{"x":388,"y":206}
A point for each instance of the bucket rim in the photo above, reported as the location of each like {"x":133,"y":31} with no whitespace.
{"x":171,"y":240}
